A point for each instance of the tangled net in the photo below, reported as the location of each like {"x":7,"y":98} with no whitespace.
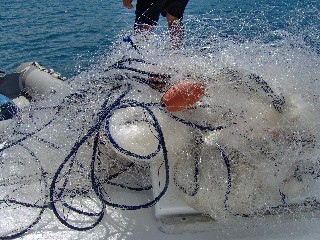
{"x":249,"y":148}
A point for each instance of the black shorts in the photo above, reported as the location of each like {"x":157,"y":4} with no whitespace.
{"x":148,"y":11}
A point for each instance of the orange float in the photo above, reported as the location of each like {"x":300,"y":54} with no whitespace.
{"x":182,"y":95}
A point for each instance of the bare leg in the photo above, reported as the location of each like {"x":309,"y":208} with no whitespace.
{"x":176,"y":30}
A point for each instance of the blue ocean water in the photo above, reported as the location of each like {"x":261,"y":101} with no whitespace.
{"x":67,"y":35}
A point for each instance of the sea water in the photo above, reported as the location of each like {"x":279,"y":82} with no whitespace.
{"x":66,"y":35}
{"x":253,"y":139}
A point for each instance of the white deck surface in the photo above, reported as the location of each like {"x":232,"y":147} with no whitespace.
{"x":173,"y":219}
{"x":142,"y":224}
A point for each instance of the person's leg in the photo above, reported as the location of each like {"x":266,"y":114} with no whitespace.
{"x":173,"y":11}
{"x":176,"y":30}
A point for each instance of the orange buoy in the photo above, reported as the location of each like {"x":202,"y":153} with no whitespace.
{"x":182,"y":95}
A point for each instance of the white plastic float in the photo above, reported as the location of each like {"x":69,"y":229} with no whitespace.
{"x":35,"y":81}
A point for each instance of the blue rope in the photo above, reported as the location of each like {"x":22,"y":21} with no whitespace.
{"x":98,"y":186}
{"x":101,"y":117}
{"x":229,"y":180}
{"x":28,"y":205}
{"x":126,"y":104}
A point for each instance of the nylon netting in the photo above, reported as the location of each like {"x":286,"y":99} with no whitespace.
{"x":249,"y":148}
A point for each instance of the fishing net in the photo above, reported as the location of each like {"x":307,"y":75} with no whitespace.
{"x":249,"y":148}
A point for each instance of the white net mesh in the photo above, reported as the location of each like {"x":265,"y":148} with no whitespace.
{"x":250,"y":147}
